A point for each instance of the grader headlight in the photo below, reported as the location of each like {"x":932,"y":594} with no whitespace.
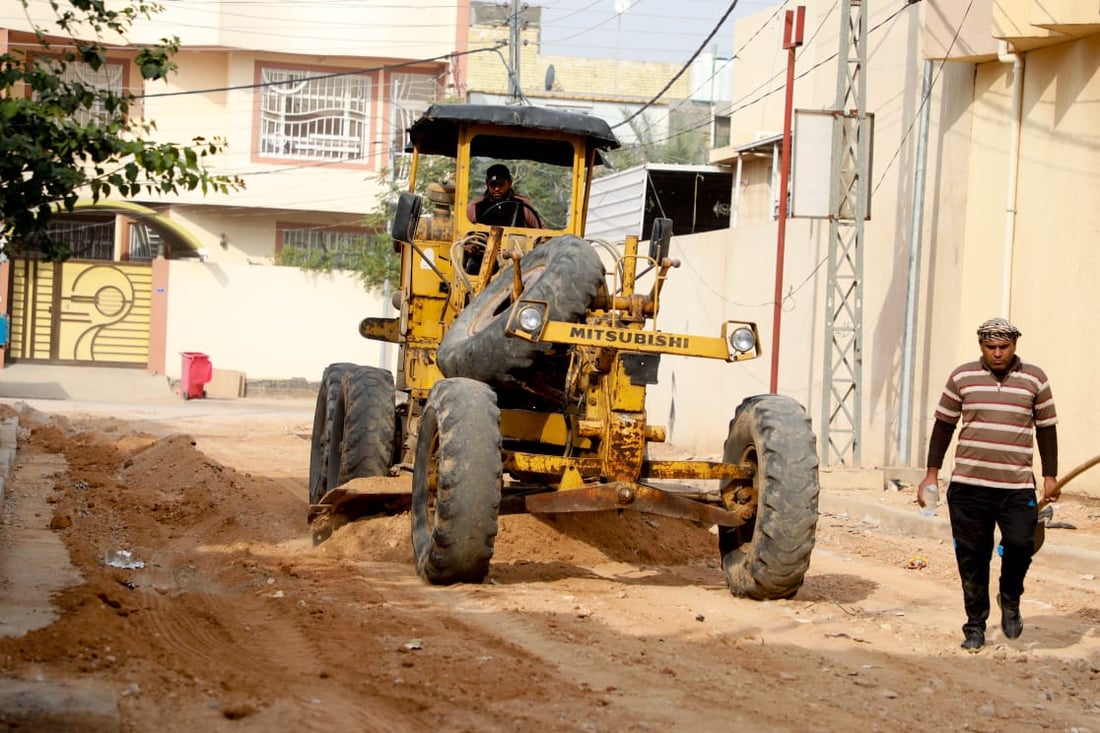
{"x":531,"y":318}
{"x":527,"y":320}
{"x":742,"y":340}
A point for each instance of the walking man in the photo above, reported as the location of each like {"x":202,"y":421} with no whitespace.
{"x":1003,"y":407}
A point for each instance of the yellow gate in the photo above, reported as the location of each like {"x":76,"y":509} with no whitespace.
{"x":80,"y":312}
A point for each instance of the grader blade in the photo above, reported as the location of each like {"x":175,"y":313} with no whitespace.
{"x":361,"y":497}
{"x":623,"y":495}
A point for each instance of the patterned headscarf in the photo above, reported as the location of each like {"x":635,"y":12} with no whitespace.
{"x":998,"y":329}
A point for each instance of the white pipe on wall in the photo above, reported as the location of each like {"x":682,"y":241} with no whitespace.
{"x":737,"y":192}
{"x":1017,"y":61}
{"x":912,"y":289}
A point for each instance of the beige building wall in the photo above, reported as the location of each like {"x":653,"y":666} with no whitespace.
{"x":365,"y":27}
{"x":1051,"y":257}
{"x":272,"y":323}
{"x":231,"y":116}
{"x":959,"y":33}
{"x":325,"y":195}
{"x":726,"y":276}
{"x":573,"y":76}
{"x":1029,"y":24}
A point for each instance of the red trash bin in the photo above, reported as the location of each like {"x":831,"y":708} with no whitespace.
{"x":196,"y":372}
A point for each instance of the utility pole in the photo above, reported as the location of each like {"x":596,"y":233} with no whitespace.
{"x":515,"y":26}
{"x":793,"y":25}
{"x":842,"y":398}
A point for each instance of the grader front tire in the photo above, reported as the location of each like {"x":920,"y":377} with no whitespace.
{"x":457,"y":481}
{"x":767,"y":558}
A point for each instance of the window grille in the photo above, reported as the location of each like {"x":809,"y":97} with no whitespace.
{"x":106,"y":78}
{"x":340,"y":250}
{"x":87,"y":240}
{"x":411,"y":95}
{"x":308,"y":116}
{"x":144,"y":242}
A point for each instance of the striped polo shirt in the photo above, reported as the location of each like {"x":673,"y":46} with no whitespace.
{"x":996,"y":421}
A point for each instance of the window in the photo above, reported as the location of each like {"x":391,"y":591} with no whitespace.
{"x":87,"y":238}
{"x":721,"y":132}
{"x":108,"y":78}
{"x":410,"y":97}
{"x":340,"y":250}
{"x":145,"y":242}
{"x":313,"y":116}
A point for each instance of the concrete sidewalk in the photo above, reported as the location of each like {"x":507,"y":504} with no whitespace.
{"x":84,"y":384}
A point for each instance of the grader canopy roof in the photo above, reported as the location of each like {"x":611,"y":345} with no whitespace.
{"x":436,"y":132}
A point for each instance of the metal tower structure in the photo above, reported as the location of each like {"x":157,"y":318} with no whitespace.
{"x":842,"y":389}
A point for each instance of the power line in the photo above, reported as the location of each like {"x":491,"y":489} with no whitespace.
{"x":802,"y":74}
{"x":333,"y":75}
{"x":683,"y":68}
{"x":924,"y":98}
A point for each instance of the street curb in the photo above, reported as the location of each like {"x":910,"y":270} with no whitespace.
{"x":59,"y":706}
{"x":912,"y":522}
{"x":9,"y":429}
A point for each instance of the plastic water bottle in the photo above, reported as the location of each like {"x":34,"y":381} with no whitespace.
{"x":931,"y":499}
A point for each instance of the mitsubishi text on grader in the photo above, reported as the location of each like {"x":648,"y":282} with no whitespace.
{"x":524,"y":359}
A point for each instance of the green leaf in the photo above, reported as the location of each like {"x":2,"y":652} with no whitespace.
{"x":53,"y":158}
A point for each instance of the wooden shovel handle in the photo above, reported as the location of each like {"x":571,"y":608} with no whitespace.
{"x":1072,"y":475}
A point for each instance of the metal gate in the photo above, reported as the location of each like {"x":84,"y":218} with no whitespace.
{"x":80,"y":312}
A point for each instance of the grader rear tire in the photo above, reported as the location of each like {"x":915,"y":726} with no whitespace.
{"x":363,"y":426}
{"x":767,"y":558}
{"x":456,"y":483}
{"x":327,"y":397}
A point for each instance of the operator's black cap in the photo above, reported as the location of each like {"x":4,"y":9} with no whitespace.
{"x":497,"y":173}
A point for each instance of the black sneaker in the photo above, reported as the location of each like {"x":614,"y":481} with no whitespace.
{"x":974,"y":641}
{"x":1011,"y":622}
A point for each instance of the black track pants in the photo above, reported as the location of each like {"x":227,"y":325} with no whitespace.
{"x":975,"y":511}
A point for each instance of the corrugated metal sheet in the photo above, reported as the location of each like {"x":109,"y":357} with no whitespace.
{"x":617,"y":204}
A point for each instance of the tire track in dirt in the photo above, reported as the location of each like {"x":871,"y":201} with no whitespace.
{"x":224,"y":597}
{"x":628,"y":675}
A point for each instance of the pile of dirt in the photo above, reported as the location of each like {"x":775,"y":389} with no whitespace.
{"x":579,"y":539}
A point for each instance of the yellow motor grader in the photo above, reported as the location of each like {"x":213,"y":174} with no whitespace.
{"x":525,"y":354}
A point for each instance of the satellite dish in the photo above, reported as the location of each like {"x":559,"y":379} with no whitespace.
{"x":549,"y":83}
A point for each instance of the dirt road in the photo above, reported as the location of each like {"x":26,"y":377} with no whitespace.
{"x":600,"y":622}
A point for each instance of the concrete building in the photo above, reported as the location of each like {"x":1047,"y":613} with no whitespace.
{"x":312,"y":113}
